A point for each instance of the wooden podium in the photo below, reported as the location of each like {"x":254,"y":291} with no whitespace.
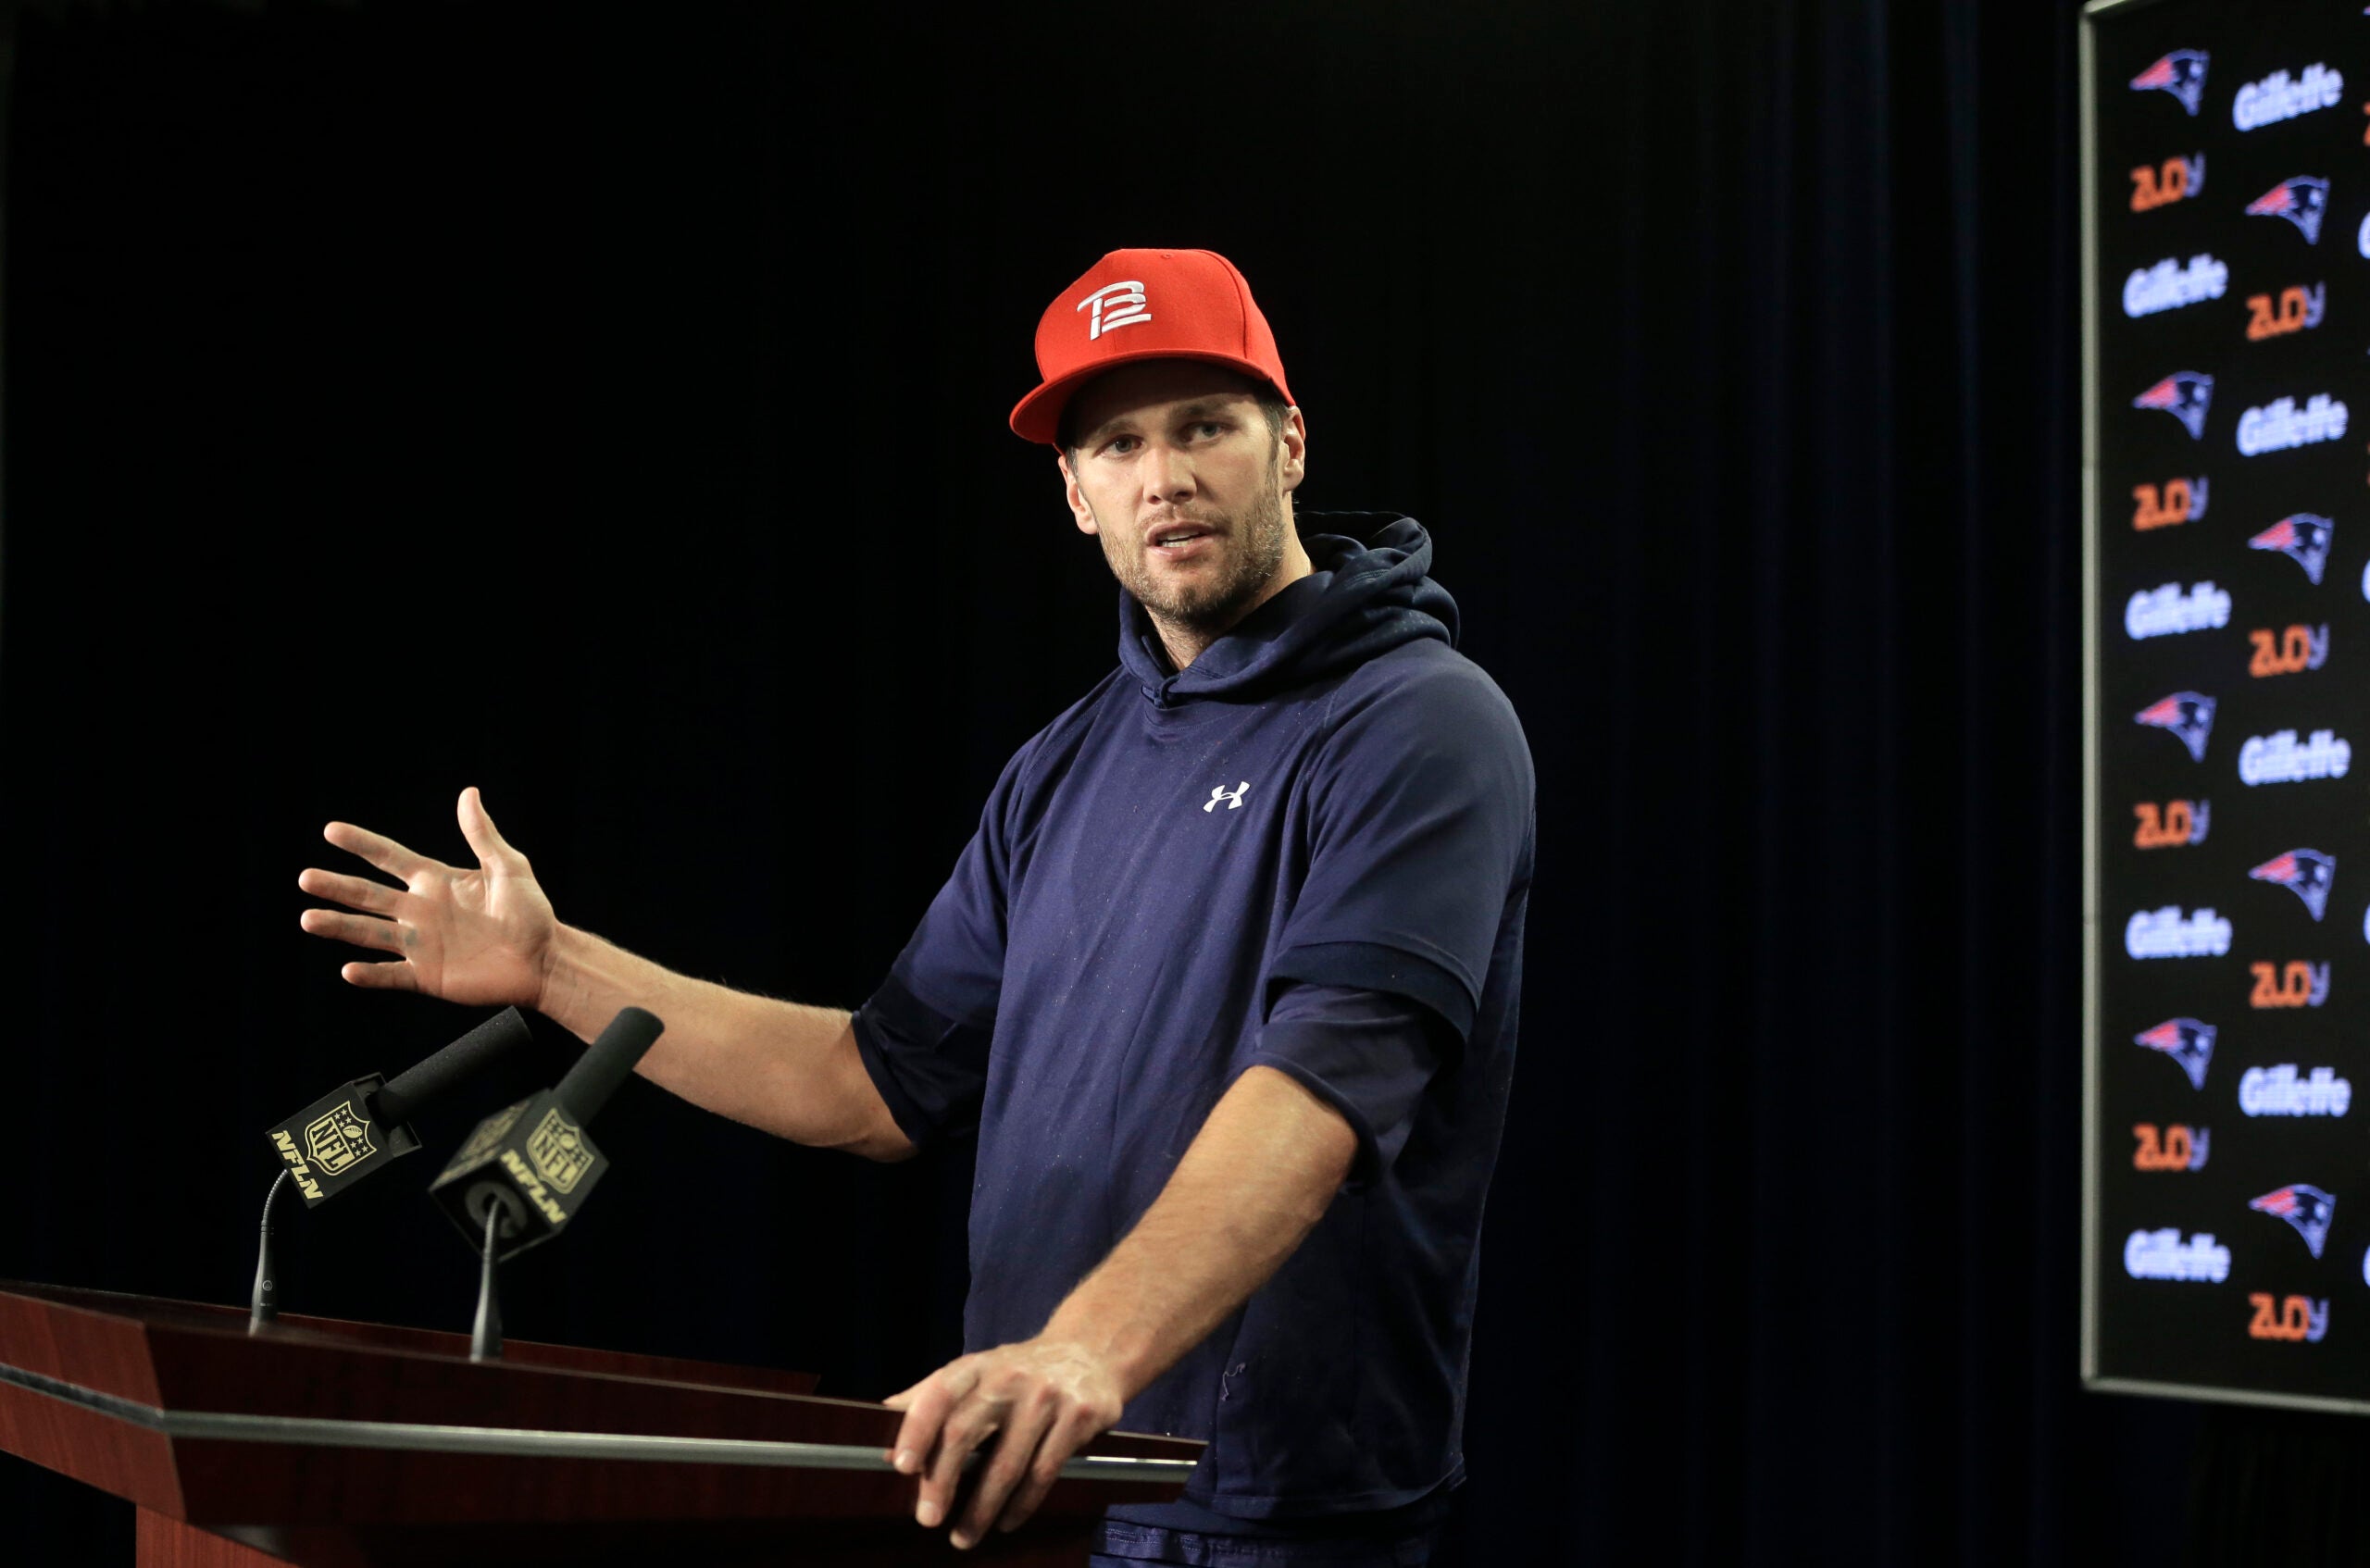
{"x":349,"y":1444}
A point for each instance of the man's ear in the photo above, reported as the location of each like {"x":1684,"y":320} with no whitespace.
{"x":1079,"y":510}
{"x":1294,"y":441}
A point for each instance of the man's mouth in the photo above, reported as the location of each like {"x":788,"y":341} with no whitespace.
{"x":1175,"y":540}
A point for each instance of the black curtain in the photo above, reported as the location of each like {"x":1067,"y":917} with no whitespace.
{"x":602,"y":404}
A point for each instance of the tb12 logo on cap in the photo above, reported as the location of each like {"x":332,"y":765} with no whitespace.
{"x":1115,"y":305}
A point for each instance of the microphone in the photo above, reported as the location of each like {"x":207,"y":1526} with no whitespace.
{"x":525,"y":1172}
{"x":363,"y":1125}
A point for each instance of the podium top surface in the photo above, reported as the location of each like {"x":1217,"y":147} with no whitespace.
{"x":194,"y":1375}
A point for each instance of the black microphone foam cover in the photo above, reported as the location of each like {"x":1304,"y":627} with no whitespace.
{"x":474,"y":1051}
{"x":607,"y":1062}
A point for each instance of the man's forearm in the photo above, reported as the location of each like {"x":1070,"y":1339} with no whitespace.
{"x":787,"y":1069}
{"x":1255,"y":1180}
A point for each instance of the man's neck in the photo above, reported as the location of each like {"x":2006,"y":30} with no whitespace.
{"x":1187,"y":643}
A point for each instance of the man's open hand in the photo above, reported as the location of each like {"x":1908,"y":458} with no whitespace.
{"x":480,"y":938}
{"x":1042,"y":1401}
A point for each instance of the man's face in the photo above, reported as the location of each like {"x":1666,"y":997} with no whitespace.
{"x":1178,"y":473}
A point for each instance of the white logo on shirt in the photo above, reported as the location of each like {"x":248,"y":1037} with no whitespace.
{"x":1232,"y":798}
{"x":1116,"y":305}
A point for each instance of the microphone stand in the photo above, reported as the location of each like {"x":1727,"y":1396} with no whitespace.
{"x":485,"y":1334}
{"x":263,"y":1306}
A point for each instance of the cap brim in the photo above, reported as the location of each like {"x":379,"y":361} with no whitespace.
{"x":1038,"y":417}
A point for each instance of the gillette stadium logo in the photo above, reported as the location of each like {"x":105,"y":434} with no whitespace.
{"x":2185,"y":715}
{"x":2283,"y":99}
{"x":2303,"y":537}
{"x":2278,"y":1091}
{"x":2281,"y":425}
{"x":2187,"y":1043}
{"x":2307,"y":1208}
{"x":2181,"y":73}
{"x":2305,"y":872}
{"x":2162,"y":1254}
{"x":2184,"y":394}
{"x":2283,"y":759}
{"x":2168,"y":285}
{"x":2167,"y":933}
{"x":2302,"y":199}
{"x":2167,"y":612}
{"x":2279,"y":96}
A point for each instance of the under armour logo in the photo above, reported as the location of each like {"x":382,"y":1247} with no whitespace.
{"x":1233,"y":798}
{"x":1116,"y":305}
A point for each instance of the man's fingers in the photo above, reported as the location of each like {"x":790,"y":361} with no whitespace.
{"x":355,"y":893}
{"x":972,"y":1422}
{"x":486,"y":840}
{"x":1007,"y":1465}
{"x":383,"y":853}
{"x":362,"y":930}
{"x":925,"y":1404}
{"x":1069,"y":1434}
{"x":396,"y":976}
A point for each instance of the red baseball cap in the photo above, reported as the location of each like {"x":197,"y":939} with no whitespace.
{"x":1145,"y":304}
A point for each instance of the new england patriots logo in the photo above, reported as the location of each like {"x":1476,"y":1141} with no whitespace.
{"x":2186,"y":714}
{"x":2187,"y":1041}
{"x":2301,"y":200}
{"x":2181,"y":73}
{"x":2184,"y":394}
{"x":2307,"y":1208}
{"x":2303,"y":538}
{"x":2305,"y":872}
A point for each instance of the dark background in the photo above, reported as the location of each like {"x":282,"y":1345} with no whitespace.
{"x":602,"y":404}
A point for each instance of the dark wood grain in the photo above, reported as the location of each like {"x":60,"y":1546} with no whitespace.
{"x":357,"y":1507}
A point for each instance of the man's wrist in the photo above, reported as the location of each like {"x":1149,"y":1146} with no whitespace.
{"x":565,"y":973}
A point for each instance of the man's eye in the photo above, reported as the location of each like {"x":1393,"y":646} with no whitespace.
{"x":1209,"y":427}
{"x":1119,"y":446}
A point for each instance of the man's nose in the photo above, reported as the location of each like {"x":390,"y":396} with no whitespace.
{"x":1168,"y":475}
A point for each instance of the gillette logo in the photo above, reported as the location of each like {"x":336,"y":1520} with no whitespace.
{"x":2167,"y":612}
{"x":2166,"y":933}
{"x":2162,"y":1254}
{"x":2279,"y":426}
{"x":2186,"y":1042}
{"x":2184,"y":394}
{"x":2302,"y":199}
{"x":2181,"y":73}
{"x":2176,"y":180}
{"x":2277,"y":97}
{"x":2303,"y":537}
{"x":2305,"y":872}
{"x":2185,"y":715}
{"x":2168,"y":285}
{"x":2277,"y":1091}
{"x":2282,"y":759}
{"x":2307,"y":1208}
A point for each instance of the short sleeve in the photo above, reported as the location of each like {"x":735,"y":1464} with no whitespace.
{"x":924,"y":1033}
{"x":1420,"y":808}
{"x":1368,"y":1055}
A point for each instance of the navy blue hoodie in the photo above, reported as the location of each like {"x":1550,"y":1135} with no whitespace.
{"x":1329,"y":796}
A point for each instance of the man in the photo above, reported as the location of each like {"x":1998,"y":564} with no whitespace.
{"x":1226,"y":983}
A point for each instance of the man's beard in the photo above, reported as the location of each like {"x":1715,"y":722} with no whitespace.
{"x":1254,"y":547}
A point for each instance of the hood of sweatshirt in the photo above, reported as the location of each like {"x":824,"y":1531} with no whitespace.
{"x":1367,"y":594}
